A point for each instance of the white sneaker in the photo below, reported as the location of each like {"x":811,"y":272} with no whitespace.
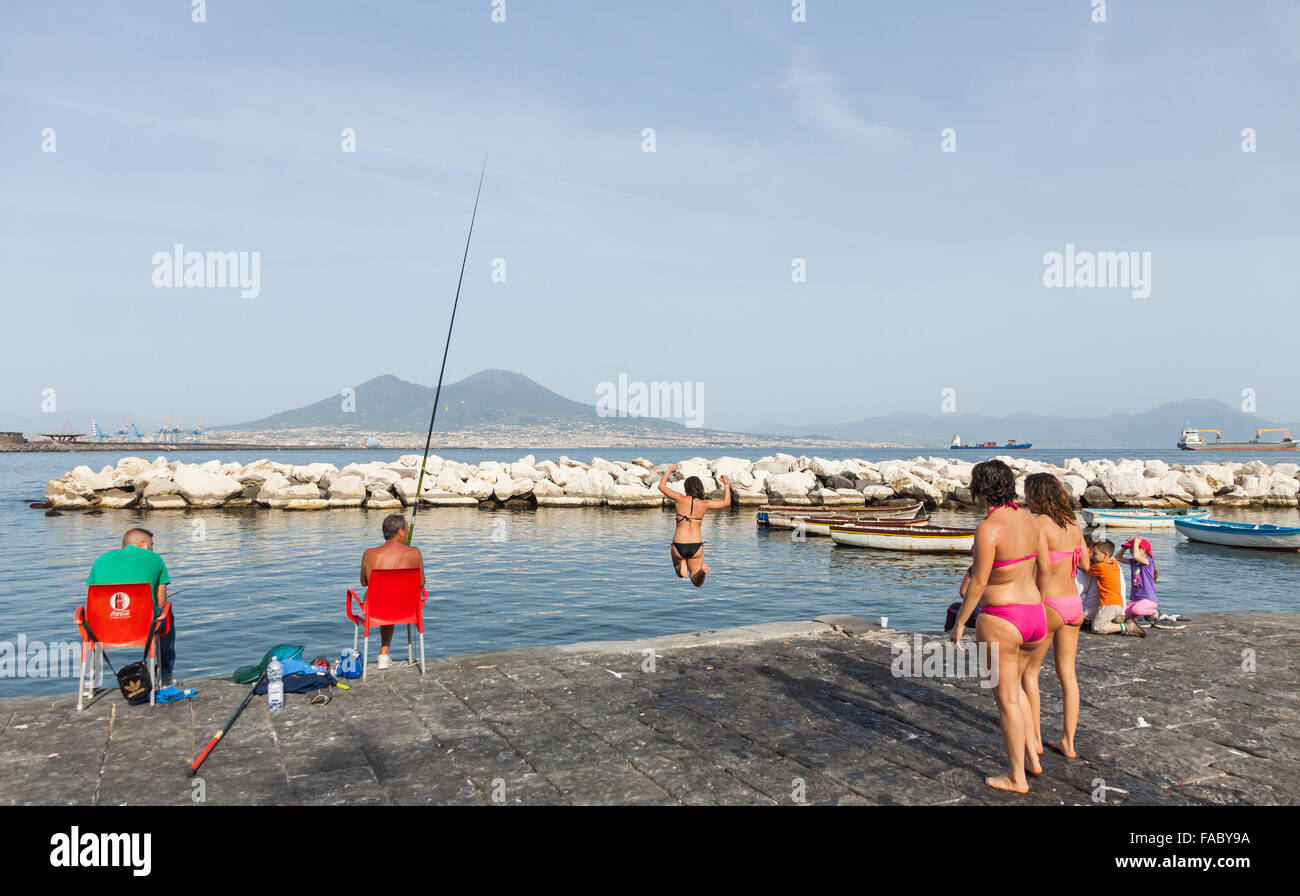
{"x":384,"y":661}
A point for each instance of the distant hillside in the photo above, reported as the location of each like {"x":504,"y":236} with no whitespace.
{"x":389,"y":404}
{"x":1157,"y":428}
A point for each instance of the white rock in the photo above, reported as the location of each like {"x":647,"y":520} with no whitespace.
{"x":478,"y":488}
{"x":544,"y":488}
{"x":594,"y":485}
{"x":381,"y":500}
{"x":64,"y":494}
{"x":202,"y":487}
{"x":1075,"y":485}
{"x":161,"y":485}
{"x":790,"y":485}
{"x":620,"y":496}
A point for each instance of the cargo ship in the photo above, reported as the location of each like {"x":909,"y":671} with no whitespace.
{"x":1011,"y":445}
{"x":1193,"y":440}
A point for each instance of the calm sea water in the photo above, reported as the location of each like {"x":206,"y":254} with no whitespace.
{"x":503,"y":578}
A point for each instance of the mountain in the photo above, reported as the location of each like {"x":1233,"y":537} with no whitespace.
{"x":1157,"y":428}
{"x":389,"y":404}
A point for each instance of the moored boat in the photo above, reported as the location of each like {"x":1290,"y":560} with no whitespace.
{"x":928,"y":539}
{"x":779,"y":516}
{"x":1140,"y":518}
{"x":1260,"y":536}
{"x":821,"y":525}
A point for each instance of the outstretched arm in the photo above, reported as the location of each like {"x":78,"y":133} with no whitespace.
{"x":663,"y":482}
{"x":725,"y":500}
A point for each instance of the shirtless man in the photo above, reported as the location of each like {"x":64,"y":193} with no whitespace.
{"x":394,"y":553}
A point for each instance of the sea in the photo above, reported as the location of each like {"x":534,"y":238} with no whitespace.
{"x":245,"y":580}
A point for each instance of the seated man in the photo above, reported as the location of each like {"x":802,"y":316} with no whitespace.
{"x":136,"y":562}
{"x":394,"y":553}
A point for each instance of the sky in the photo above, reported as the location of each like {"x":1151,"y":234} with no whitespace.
{"x":774,"y":140}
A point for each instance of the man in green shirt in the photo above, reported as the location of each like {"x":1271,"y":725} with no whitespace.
{"x":136,"y":562}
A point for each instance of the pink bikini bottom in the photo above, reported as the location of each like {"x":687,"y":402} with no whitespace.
{"x":1070,"y":607}
{"x":1029,"y":619}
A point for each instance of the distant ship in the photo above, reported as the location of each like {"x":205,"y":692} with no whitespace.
{"x":371,"y":442}
{"x":1011,"y":445}
{"x":1192,"y":440}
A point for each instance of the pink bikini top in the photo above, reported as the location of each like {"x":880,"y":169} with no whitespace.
{"x":996,"y":563}
{"x":1073,"y":556}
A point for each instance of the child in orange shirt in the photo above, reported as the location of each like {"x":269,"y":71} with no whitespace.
{"x":1109,"y":618}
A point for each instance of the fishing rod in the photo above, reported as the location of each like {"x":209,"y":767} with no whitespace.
{"x":419,"y":482}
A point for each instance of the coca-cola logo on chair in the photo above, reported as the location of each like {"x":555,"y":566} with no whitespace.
{"x":120,"y":604}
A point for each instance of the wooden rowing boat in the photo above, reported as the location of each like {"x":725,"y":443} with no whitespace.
{"x":1140,"y":518}
{"x":928,"y":539}
{"x":1240,"y":535}
{"x":781,"y":516}
{"x":821,"y":525}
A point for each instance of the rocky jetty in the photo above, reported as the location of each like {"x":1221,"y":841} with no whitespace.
{"x":776,"y":479}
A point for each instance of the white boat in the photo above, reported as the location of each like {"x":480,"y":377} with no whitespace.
{"x":929,"y":539}
{"x":1140,"y":518}
{"x":1241,"y":535}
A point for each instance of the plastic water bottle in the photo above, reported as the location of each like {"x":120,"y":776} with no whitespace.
{"x":274,"y":685}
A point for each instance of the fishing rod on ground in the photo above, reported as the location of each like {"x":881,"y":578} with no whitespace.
{"x":428,"y":441}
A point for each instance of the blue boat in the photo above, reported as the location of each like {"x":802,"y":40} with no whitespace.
{"x":1260,"y":536}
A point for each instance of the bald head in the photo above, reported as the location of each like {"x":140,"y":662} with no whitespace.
{"x":141,"y":538}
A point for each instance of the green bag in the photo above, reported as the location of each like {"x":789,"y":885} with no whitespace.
{"x":246,"y":674}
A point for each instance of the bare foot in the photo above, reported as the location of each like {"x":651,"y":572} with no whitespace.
{"x":1003,"y":782}
{"x":1032,"y":765}
{"x":706,"y":568}
{"x":1064,"y":748}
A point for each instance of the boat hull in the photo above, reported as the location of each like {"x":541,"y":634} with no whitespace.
{"x":1239,"y":446}
{"x":1240,"y":535}
{"x":1140,"y":519}
{"x":918,"y":539}
{"x":1016,"y":447}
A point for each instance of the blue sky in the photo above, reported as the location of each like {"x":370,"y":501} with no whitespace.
{"x":775,"y":140}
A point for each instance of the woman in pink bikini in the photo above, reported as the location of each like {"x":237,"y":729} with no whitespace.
{"x":1047,"y":499}
{"x":1011,"y":557}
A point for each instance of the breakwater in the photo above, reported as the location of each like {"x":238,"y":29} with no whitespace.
{"x":776,"y":479}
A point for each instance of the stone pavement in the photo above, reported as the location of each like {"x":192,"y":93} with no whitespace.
{"x":780,"y":713}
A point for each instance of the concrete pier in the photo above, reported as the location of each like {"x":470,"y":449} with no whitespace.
{"x":780,"y":713}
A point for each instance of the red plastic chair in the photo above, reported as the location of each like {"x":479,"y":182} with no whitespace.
{"x":393,"y":597}
{"x":121,"y":616}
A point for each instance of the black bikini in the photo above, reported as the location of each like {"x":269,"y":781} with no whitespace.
{"x":688,"y":549}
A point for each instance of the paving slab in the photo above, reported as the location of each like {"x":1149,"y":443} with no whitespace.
{"x":783,"y":713}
